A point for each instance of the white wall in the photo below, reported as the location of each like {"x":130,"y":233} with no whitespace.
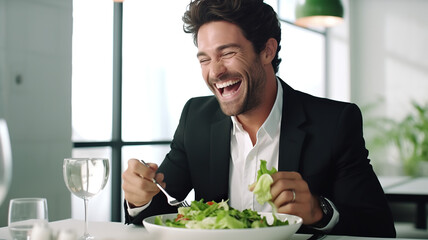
{"x":35,"y":44}
{"x":389,"y":48}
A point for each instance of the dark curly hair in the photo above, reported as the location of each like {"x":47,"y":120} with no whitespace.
{"x":257,"y":20}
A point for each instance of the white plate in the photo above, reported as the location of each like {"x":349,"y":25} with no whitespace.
{"x":271,"y":233}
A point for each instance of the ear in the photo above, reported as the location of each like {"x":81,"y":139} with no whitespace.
{"x":268,"y":54}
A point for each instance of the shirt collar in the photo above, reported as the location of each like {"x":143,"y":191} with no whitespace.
{"x":272,"y":122}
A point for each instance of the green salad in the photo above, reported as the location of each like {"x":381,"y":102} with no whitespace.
{"x":213,"y":215}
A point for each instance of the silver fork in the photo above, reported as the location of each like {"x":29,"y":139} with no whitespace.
{"x":171,"y":200}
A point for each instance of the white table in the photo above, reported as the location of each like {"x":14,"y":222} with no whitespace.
{"x":119,"y":231}
{"x":391,"y":181}
{"x":100,"y":230}
{"x":407,"y":189}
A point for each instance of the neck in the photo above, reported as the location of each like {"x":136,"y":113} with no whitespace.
{"x":253,"y":119}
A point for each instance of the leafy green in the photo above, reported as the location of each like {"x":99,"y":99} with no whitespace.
{"x":263,"y":169}
{"x":261,"y":188}
{"x":212,"y":215}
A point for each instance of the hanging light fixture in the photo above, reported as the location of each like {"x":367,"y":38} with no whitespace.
{"x":318,"y":13}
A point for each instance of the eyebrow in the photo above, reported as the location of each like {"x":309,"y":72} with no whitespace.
{"x":220,"y":48}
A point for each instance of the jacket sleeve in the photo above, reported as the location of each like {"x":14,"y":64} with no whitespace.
{"x":357,"y":193}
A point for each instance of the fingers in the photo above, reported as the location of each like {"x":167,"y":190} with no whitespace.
{"x":291,"y":201}
{"x":287,"y":196}
{"x":286,"y":186}
{"x":159,"y":178}
{"x":137,"y":182}
{"x":291,"y":195}
{"x":138,"y":168}
{"x":286,"y":175}
{"x":308,"y":209}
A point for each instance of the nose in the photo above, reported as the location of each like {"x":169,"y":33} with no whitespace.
{"x":217,"y":69}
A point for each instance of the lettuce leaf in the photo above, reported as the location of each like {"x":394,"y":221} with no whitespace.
{"x":261,"y":188}
{"x":263,"y":169}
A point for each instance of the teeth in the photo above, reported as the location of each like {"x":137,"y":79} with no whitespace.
{"x":226,"y":84}
{"x":228,"y":94}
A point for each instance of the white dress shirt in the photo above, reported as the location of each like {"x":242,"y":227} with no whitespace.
{"x":245,"y":158}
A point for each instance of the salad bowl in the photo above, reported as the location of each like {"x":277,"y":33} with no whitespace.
{"x":271,"y":233}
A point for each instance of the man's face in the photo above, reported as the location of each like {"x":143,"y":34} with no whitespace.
{"x":230,"y":67}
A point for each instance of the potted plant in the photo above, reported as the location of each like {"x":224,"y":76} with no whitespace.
{"x":410,"y":137}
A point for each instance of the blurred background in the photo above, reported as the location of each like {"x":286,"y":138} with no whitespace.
{"x":109,"y":79}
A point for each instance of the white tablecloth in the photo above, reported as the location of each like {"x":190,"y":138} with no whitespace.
{"x":120,"y":231}
{"x":100,"y":230}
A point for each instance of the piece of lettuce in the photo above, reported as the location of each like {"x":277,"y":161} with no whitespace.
{"x":261,"y":188}
{"x":263,"y":169}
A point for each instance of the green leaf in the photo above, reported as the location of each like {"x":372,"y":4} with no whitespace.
{"x":262,"y":189}
{"x":263,"y":169}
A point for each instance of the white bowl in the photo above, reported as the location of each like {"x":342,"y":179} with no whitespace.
{"x":271,"y":233}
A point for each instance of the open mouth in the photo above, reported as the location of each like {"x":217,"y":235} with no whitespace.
{"x":228,"y":88}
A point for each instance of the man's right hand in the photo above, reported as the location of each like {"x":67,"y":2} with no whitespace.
{"x":137,"y":183}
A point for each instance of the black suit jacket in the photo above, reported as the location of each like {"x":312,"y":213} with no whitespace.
{"x":320,"y":138}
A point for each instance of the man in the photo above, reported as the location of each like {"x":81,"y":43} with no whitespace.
{"x":316,"y":144}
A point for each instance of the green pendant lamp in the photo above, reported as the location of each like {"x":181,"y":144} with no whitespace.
{"x":319,"y":13}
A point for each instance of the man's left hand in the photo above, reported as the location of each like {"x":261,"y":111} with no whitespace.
{"x":291,"y":195}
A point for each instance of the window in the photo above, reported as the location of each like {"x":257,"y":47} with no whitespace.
{"x":92,"y":92}
{"x":157,"y":74}
{"x":160,"y":69}
{"x":92,"y":70}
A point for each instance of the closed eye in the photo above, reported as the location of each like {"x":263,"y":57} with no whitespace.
{"x":203,"y":60}
{"x":228,"y":54}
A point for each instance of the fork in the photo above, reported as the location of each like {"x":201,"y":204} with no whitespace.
{"x":171,"y":200}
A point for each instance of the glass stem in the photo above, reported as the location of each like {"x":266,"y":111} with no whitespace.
{"x":86,"y":217}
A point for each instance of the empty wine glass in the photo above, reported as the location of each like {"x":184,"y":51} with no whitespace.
{"x":5,"y":160}
{"x":86,"y":177}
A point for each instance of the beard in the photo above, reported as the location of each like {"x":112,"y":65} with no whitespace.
{"x":252,"y":96}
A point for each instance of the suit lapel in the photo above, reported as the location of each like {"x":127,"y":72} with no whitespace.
{"x":220,"y":157}
{"x":292,"y":137}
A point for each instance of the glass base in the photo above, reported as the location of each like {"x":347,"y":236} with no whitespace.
{"x":86,"y":237}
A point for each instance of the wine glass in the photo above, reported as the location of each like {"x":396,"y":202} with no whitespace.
{"x":86,"y":177}
{"x":5,"y":160}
